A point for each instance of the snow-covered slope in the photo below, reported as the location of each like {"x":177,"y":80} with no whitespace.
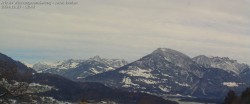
{"x":58,"y":66}
{"x":115,"y":63}
{"x":42,"y":66}
{"x":222,"y":63}
{"x":78,"y":69}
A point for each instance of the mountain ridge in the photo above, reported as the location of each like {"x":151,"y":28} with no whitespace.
{"x":166,"y":71}
{"x":222,"y":63}
{"x":77,"y":69}
{"x":63,"y":89}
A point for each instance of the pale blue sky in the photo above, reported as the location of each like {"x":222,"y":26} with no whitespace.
{"x":127,"y":29}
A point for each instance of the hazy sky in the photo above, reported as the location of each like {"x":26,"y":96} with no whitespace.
{"x":127,"y":29}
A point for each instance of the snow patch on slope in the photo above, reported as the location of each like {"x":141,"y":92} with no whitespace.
{"x":109,"y":68}
{"x":165,"y":89}
{"x":136,"y":71}
{"x":128,"y":82}
{"x":74,"y":65}
{"x":94,"y":71}
{"x":230,"y":84}
{"x":147,"y":81}
{"x":182,"y":84}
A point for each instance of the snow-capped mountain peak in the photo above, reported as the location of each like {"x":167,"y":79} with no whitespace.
{"x":40,"y":66}
{"x":69,"y":64}
{"x":77,"y":69}
{"x":159,"y":71}
{"x":96,"y":58}
{"x":173,"y":56}
{"x":224,"y":63}
{"x":59,"y":65}
{"x":166,"y":71}
{"x":116,"y":63}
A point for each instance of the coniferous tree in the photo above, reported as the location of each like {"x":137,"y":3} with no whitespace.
{"x":231,"y":98}
{"x":245,"y":96}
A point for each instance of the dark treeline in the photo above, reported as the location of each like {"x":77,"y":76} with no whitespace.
{"x":232,"y":98}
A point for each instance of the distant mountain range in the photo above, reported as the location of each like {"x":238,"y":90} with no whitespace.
{"x":164,"y":72}
{"x":224,"y":63}
{"x":78,"y":69}
{"x":169,"y":72}
{"x":51,"y":87}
